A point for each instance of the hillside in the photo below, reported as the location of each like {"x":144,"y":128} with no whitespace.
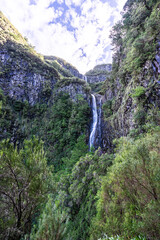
{"x":30,"y":89}
{"x":30,"y":77}
{"x":79,"y":160}
{"x":132,"y":93}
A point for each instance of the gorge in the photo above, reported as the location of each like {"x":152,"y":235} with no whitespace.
{"x":79,"y":154}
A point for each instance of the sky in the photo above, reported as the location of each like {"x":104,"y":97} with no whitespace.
{"x":75,"y":30}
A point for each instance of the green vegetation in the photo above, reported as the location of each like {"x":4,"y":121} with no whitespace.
{"x":96,"y":87}
{"x":63,"y":124}
{"x":60,"y":69}
{"x":25,"y":180}
{"x":99,"y":69}
{"x":108,"y":108}
{"x":78,"y":191}
{"x":52,"y":223}
{"x":65,"y":81}
{"x":135,"y":38}
{"x":128,"y":202}
{"x":59,"y":125}
{"x":138,"y":92}
{"x":51,"y":186}
{"x":61,"y":62}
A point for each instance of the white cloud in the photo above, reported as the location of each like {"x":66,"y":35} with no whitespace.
{"x":73,"y":2}
{"x":60,"y":1}
{"x":92,"y":28}
{"x":120,"y":4}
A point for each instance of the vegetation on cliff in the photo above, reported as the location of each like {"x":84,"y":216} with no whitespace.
{"x":133,"y":88}
{"x":52,"y":187}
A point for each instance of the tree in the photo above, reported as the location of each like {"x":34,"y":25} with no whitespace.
{"x":23,"y":179}
{"x":52,"y":223}
{"x":129,"y":201}
{"x":77,"y":192}
{"x":80,"y":149}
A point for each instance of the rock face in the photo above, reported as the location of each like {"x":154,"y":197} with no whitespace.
{"x":103,"y":67}
{"x":76,"y":90}
{"x":122,"y":113}
{"x":99,"y":73}
{"x":21,"y":81}
{"x":61,"y":65}
{"x":28,"y":76}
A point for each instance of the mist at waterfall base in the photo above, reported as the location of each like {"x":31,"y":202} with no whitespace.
{"x":94,"y":123}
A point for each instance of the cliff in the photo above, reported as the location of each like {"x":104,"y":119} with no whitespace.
{"x":66,"y":69}
{"x":28,"y":76}
{"x":131,"y":100}
{"x":99,"y":73}
{"x":51,"y":185}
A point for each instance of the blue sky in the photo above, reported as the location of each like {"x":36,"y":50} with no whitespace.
{"x":75,"y":30}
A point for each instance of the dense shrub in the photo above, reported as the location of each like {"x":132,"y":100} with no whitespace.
{"x":24,"y":178}
{"x":129,"y":199}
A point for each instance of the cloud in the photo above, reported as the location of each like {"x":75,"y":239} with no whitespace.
{"x":76,"y":30}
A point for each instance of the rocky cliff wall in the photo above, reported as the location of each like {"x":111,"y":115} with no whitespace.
{"x":99,"y":73}
{"x":28,"y":76}
{"x":25,"y":78}
{"x":123,"y":112}
{"x":70,"y":70}
{"x":75,"y":89}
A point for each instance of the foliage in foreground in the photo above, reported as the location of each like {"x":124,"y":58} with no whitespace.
{"x":77,"y":192}
{"x":129,"y":200}
{"x":24,"y":180}
{"x":120,"y":238}
{"x":52,"y":223}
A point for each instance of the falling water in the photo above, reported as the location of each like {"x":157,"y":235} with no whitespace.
{"x":94,"y":123}
{"x":85,"y":78}
{"x":100,"y":122}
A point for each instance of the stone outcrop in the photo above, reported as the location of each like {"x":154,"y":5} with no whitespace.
{"x":99,"y":73}
{"x":61,"y":64}
{"x":76,"y":90}
{"x":22,"y":81}
{"x":122,"y":107}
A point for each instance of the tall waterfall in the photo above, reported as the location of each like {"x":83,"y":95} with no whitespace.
{"x":85,"y":78}
{"x":94,"y":122}
{"x":100,"y":122}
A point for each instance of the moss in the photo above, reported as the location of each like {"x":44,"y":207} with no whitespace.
{"x":138,"y":92}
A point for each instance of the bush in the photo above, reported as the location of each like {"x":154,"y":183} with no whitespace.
{"x":139,"y":116}
{"x":24,"y":180}
{"x":128,"y":203}
{"x":52,"y":223}
{"x":107,"y":108}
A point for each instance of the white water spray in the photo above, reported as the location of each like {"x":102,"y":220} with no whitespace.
{"x":94,"y":123}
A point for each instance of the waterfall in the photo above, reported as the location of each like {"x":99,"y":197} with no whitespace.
{"x":94,"y":122}
{"x":85,"y":78}
{"x":100,"y":123}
